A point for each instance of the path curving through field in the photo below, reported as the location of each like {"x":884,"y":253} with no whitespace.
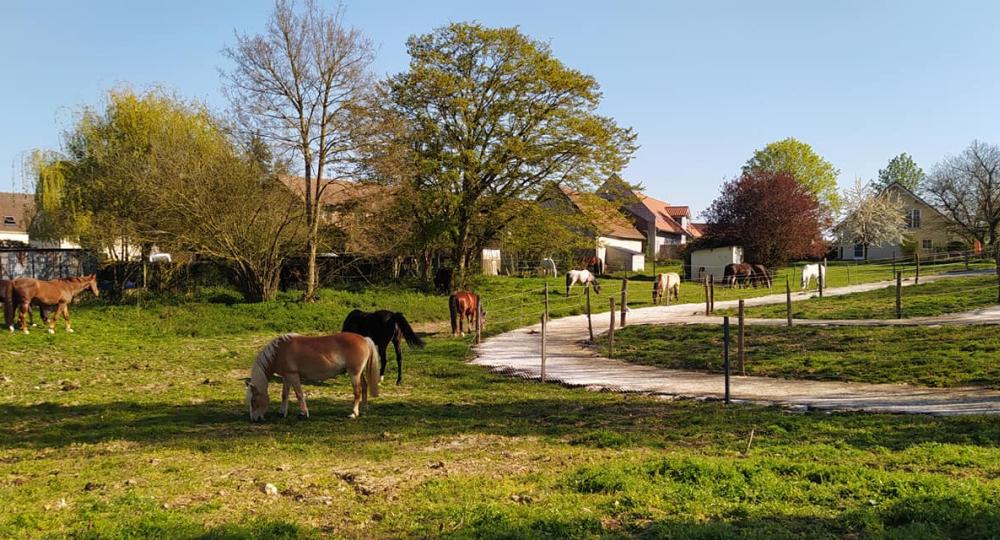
{"x":571,"y":362}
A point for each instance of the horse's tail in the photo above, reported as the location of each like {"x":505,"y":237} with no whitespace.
{"x":453,"y":308}
{"x":412,"y":339}
{"x":371,"y":367}
{"x":8,"y":304}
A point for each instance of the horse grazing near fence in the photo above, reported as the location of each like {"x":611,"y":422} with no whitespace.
{"x":670,"y":283}
{"x":592,"y":263}
{"x":384,"y":326}
{"x":463,"y":305}
{"x":48,"y":293}
{"x":583,"y":277}
{"x":737,"y":274}
{"x":813,"y":271}
{"x":316,"y":358}
{"x":760,"y":275}
{"x":548,"y":268}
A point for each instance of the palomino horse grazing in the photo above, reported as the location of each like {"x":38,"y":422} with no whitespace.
{"x":737,"y":274}
{"x":670,"y":283}
{"x":56,"y":292}
{"x":463,"y":305}
{"x":583,"y":277}
{"x":316,"y":358}
{"x":760,"y":275}
{"x":813,"y":271}
{"x":384,"y":326}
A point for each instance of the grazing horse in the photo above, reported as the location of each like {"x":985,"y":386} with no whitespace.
{"x":384,"y":326}
{"x":548,"y":268}
{"x":463,"y":305}
{"x":761,"y":275}
{"x":737,"y":274}
{"x":670,"y":283}
{"x":317,"y":358}
{"x":583,"y":277}
{"x":813,"y":271}
{"x":592,"y":263}
{"x":56,"y":292}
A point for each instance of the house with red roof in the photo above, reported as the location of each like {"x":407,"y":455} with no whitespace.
{"x":665,"y":227}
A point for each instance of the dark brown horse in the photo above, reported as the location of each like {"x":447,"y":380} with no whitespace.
{"x":761,"y":275}
{"x":738,"y":274}
{"x":592,"y":263}
{"x":463,"y":305}
{"x":48,"y":293}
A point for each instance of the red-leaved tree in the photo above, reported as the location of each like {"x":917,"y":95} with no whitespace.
{"x":770,"y":215}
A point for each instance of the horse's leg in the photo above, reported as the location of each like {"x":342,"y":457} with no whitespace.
{"x":399,"y":359}
{"x":294,"y":380}
{"x":22,"y":313}
{"x":65,"y":312}
{"x":356,"y":381}
{"x":382,"y":351}
{"x":285,"y":386}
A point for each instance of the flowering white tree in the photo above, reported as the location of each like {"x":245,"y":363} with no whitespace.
{"x":872,"y":217}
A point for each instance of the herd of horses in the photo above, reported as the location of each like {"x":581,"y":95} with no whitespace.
{"x":52,"y":297}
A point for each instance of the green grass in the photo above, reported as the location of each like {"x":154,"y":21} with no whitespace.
{"x":930,"y":356}
{"x":134,"y":427}
{"x":951,"y":295}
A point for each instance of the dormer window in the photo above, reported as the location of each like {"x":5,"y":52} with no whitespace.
{"x":9,"y":221}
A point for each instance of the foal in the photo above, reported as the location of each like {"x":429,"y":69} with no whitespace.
{"x":294,"y":357}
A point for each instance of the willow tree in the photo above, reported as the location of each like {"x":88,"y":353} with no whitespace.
{"x":301,"y":85}
{"x":493,"y":117}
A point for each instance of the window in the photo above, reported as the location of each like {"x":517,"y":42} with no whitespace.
{"x":927,"y":244}
{"x":9,"y":221}
{"x":859,"y":251}
{"x":913,"y":219}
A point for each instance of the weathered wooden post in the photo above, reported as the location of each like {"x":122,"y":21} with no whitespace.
{"x":611,"y":330}
{"x":544,"y":319}
{"x":590,"y":326}
{"x":998,"y":272}
{"x":899,"y":289}
{"x":725,"y":353}
{"x":711,"y":293}
{"x":546,"y":312}
{"x":916,"y":276}
{"x":624,"y":306}
{"x":707,"y":306}
{"x":479,"y":319}
{"x":740,"y":357}
{"x":788,"y":299}
{"x":965,"y":257}
{"x":848,"y":274}
{"x":894,"y":262}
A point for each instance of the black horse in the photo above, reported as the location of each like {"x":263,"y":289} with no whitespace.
{"x":384,"y":326}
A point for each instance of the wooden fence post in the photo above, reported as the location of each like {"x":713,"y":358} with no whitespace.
{"x":965,"y":256}
{"x":546,"y":312}
{"x":848,"y":275}
{"x":916,"y":276}
{"x":740,"y":356}
{"x":707,"y":306}
{"x":711,"y":293}
{"x":894,"y":262}
{"x":725,"y":352}
{"x":899,"y":288}
{"x":624,"y":306}
{"x":479,"y":319}
{"x":611,"y":330}
{"x":590,"y":326}
{"x":998,"y":272}
{"x":544,"y":318}
{"x":788,"y":299}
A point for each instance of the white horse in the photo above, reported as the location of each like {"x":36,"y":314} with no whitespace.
{"x":583,"y":277}
{"x":670,"y":283}
{"x":811,"y":271}
{"x":548,"y":268}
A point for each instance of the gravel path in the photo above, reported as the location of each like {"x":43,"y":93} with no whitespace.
{"x":570,"y":362}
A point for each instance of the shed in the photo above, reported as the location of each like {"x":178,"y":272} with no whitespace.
{"x":491,"y":262}
{"x":713,"y":261}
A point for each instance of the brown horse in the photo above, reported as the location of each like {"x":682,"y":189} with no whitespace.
{"x":761,"y":275}
{"x":737,"y":274}
{"x":592,"y":263}
{"x":9,"y":307}
{"x":57,"y":292}
{"x":294,"y":357}
{"x":462,"y":305}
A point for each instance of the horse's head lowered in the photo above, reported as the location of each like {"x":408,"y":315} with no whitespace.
{"x":597,"y":286}
{"x":256,"y":401}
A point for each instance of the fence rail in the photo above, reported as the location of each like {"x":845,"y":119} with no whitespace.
{"x":45,"y":263}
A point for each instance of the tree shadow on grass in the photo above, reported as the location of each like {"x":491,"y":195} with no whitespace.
{"x":581,"y":418}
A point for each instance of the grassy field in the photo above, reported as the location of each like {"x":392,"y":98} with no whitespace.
{"x":935,"y":356}
{"x":134,"y":427}
{"x":923,"y":300}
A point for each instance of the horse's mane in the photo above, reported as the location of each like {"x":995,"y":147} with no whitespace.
{"x":266,"y":356}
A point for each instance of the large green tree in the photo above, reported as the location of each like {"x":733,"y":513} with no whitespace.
{"x":798,"y":159}
{"x":493,"y":117}
{"x":903,"y":171}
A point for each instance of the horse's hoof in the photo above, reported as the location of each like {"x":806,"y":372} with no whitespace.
{"x":303,"y":416}
{"x":33,"y":325}
{"x":26,"y":332}
{"x":399,"y":382}
{"x":70,"y":330}
{"x":381,"y":378}
{"x":51,"y":331}
{"x":352,"y":416}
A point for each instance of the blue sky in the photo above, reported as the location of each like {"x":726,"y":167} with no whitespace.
{"x":703,"y":83}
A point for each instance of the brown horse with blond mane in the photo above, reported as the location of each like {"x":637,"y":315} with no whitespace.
{"x":48,"y":293}
{"x":294,"y":357}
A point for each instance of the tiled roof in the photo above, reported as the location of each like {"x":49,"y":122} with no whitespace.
{"x":615,"y":224}
{"x":336,"y":191}
{"x":667,"y":216}
{"x":16,"y":210}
